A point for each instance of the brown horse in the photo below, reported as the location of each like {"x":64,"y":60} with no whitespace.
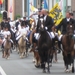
{"x":68,"y":49}
{"x":22,"y":45}
{"x":7,"y":47}
{"x":45,"y":47}
{"x":36,"y":58}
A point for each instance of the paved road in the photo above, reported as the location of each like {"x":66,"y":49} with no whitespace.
{"x":17,"y":66}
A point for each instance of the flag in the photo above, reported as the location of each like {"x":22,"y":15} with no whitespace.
{"x":1,"y":1}
{"x":56,"y":14}
{"x":61,"y":4}
{"x":33,"y":8}
{"x":44,"y":5}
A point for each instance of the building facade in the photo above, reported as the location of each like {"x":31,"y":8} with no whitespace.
{"x":22,"y":7}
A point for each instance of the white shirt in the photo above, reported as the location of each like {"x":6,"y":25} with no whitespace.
{"x":5,"y":33}
{"x":22,"y":31}
{"x":68,"y":19}
{"x":19,"y":26}
{"x":45,"y":17}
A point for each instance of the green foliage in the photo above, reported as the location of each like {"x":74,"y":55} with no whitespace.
{"x":17,"y":17}
{"x":0,"y":17}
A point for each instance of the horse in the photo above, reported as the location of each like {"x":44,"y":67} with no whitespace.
{"x":44,"y":47}
{"x":36,"y":58}
{"x":22,"y":46}
{"x":55,"y":44}
{"x":68,"y":48}
{"x":7,"y":47}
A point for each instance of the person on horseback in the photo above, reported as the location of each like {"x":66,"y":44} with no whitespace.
{"x":63,"y":26}
{"x":6,"y":32}
{"x":21,"y":31}
{"x":48,"y":22}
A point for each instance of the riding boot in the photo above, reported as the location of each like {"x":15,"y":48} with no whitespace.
{"x":53,"y":43}
{"x":59,"y":45}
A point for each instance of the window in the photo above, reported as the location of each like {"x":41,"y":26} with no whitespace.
{"x":2,"y":6}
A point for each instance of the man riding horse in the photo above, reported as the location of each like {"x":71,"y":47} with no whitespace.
{"x":63,"y":25}
{"x":68,"y":41}
{"x":48,"y":22}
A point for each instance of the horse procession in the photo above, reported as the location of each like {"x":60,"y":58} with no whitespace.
{"x":42,"y":38}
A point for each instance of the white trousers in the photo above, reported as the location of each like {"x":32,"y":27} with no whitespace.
{"x":59,"y":37}
{"x":51,"y":34}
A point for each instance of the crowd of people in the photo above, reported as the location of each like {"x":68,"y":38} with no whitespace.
{"x":15,"y":29}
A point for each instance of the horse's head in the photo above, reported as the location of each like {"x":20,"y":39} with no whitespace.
{"x":42,"y":26}
{"x":8,"y":38}
{"x":70,"y":29}
{"x":24,"y":36}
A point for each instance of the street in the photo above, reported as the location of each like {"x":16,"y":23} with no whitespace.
{"x":17,"y":66}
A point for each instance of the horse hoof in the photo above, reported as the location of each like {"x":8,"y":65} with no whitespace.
{"x":55,"y":61}
{"x":67,"y":71}
{"x":50,"y":64}
{"x":37,"y":66}
{"x":48,"y":71}
{"x":7,"y":58}
{"x":44,"y":71}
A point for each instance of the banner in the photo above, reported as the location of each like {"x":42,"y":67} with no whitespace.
{"x":56,"y":14}
{"x":1,"y":1}
{"x":31,"y":3}
{"x":11,"y":9}
{"x":44,"y":5}
{"x":33,"y":9}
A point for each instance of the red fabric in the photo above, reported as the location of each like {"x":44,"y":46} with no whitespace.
{"x":1,"y":1}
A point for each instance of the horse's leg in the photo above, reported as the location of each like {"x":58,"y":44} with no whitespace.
{"x":3,"y":53}
{"x":7,"y":54}
{"x":55,"y":55}
{"x":24,"y":52}
{"x":66,"y":63}
{"x":72,"y":62}
{"x":48,"y":63}
{"x":43,"y":66}
{"x":20,"y":51}
{"x":37,"y":60}
{"x":44,"y":62}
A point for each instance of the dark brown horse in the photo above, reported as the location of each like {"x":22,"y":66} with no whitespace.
{"x":36,"y":58}
{"x":68,"y":49}
{"x":44,"y":47}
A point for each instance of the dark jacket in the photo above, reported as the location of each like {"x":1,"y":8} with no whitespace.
{"x":16,"y":25}
{"x":49,"y":23}
{"x":2,"y":25}
{"x":63,"y":24}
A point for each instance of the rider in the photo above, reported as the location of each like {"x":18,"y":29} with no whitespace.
{"x":63,"y":24}
{"x":48,"y":21}
{"x":22,"y":31}
{"x":6,"y":32}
